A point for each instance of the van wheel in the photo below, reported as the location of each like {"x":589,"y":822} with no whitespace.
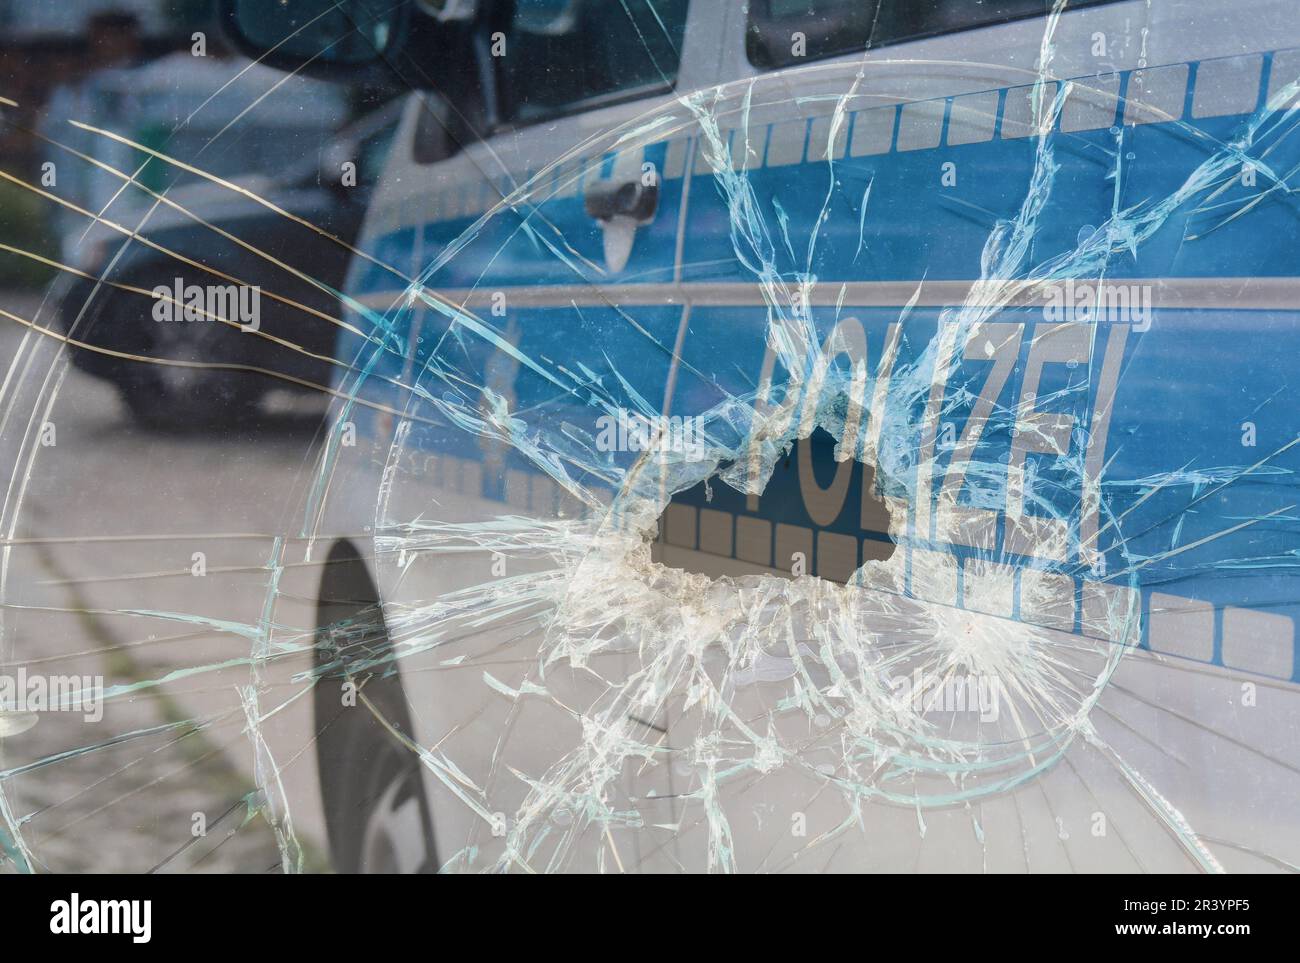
{"x":375,"y":803}
{"x":185,"y":396}
{"x":376,"y":809}
{"x":393,"y":840}
{"x":219,"y":399}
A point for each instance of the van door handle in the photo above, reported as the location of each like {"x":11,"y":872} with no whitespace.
{"x":609,"y":199}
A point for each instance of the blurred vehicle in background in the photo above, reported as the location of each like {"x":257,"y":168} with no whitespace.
{"x":206,"y":233}
{"x":220,"y":113}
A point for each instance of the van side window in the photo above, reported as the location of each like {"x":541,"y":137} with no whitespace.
{"x":830,"y":28}
{"x":558,"y":55}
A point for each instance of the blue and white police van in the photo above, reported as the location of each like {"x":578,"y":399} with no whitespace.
{"x":814,"y":435}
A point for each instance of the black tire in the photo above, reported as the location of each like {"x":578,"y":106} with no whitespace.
{"x":366,"y":773}
{"x":185,"y":396}
{"x":216,"y":399}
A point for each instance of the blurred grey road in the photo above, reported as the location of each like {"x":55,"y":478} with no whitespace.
{"x":102,"y":578}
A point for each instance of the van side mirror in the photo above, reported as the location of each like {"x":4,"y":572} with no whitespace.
{"x":317,"y":37}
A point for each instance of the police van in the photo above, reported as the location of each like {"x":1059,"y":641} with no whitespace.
{"x":817,"y":435}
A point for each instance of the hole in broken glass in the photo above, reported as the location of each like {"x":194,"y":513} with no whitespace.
{"x":815,"y":516}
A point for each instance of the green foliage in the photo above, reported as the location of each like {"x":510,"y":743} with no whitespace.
{"x":25,"y":223}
